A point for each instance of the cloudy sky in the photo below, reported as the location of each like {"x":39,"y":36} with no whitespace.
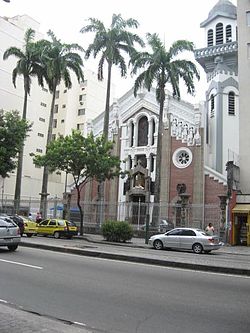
{"x":172,"y":20}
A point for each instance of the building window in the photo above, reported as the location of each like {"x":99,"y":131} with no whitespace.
{"x":210,"y":37}
{"x":39,"y":150}
{"x":143,"y":131}
{"x":212,"y":106}
{"x":182,"y":157}
{"x":65,"y":91}
{"x":37,"y":166}
{"x":64,"y":106}
{"x":56,"y":108}
{"x":132,"y":135}
{"x":153,"y":132}
{"x":231,"y":103}
{"x":43,"y":104}
{"x":228,"y":33}
{"x":57,"y":94}
{"x":42,"y":119}
{"x":81,"y":112}
{"x":53,"y":137}
{"x":80,"y":127}
{"x":248,"y":18}
{"x":40,"y":134}
{"x":219,"y":34}
{"x":54,"y":123}
{"x":80,"y":98}
{"x":62,"y":121}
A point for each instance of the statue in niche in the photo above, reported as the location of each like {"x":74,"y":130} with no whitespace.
{"x":190,"y":137}
{"x":174,"y":128}
{"x":139,"y":180}
{"x":185,"y":133}
{"x":179,"y":130}
{"x":197,"y":138}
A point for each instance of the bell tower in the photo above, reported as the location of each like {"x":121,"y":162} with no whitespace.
{"x":220,"y":62}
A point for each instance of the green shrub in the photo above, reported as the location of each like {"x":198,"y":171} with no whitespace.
{"x":117,"y":231}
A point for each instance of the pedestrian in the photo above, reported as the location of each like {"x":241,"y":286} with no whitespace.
{"x":210,"y":229}
{"x":38,"y":217}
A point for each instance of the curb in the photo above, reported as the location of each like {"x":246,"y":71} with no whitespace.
{"x":150,"y":261}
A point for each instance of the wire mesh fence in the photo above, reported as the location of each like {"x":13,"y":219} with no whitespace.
{"x":136,"y":213}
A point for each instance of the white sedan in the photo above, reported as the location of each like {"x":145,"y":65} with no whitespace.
{"x":186,"y":239}
{"x":9,"y":234}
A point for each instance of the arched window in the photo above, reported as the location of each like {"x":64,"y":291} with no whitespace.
{"x":210,"y":37}
{"x":219,"y":33}
{"x":228,"y":34}
{"x":153,"y":132}
{"x":143,"y":131}
{"x":231,"y":103}
{"x":132,"y":135}
{"x":212,"y":106}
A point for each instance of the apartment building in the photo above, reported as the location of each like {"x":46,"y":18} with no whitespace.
{"x":75,"y":108}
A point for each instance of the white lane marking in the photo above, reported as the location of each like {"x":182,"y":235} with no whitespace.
{"x":78,"y":323}
{"x":21,"y":264}
{"x":3,"y":301}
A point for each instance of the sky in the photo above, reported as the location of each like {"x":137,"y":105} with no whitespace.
{"x":172,"y":20}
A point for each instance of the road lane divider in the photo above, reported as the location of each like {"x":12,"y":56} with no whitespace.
{"x":21,"y":264}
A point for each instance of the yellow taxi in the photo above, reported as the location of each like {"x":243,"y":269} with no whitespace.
{"x":57,"y":228}
{"x":30,"y":227}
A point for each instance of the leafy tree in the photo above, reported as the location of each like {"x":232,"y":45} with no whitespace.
{"x":83,"y":158}
{"x":58,"y":60}
{"x":111,"y":43}
{"x":163,"y":67}
{"x":27,"y":66}
{"x":13,"y":131}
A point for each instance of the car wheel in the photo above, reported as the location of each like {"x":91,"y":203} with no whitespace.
{"x":29,"y":235}
{"x":57,"y":234}
{"x":12,"y":247}
{"x":197,"y":248}
{"x":158,"y":245}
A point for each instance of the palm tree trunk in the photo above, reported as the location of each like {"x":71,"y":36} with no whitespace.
{"x":106,"y":116}
{"x":44,"y":194}
{"x":20,"y":157}
{"x":157,"y":192}
{"x":105,"y":134}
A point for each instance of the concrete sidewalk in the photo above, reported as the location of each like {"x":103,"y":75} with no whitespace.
{"x":13,"y":320}
{"x":140,"y":243}
{"x":228,"y":260}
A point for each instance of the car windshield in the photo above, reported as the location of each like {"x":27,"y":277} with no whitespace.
{"x":70,"y":223}
{"x":61,"y":222}
{"x":7,"y":223}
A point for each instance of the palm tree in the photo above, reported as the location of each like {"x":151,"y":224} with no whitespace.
{"x":163,"y":67}
{"x":111,"y":42}
{"x":58,"y":60}
{"x":27,"y":66}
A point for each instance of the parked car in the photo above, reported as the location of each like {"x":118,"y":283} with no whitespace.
{"x":186,"y":239}
{"x":164,"y":226}
{"x":19,"y":221}
{"x":57,"y":228}
{"x":9,"y":234}
{"x":30,"y":226}
{"x":14,"y":218}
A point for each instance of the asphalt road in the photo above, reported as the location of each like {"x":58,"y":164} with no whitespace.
{"x":121,"y":297}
